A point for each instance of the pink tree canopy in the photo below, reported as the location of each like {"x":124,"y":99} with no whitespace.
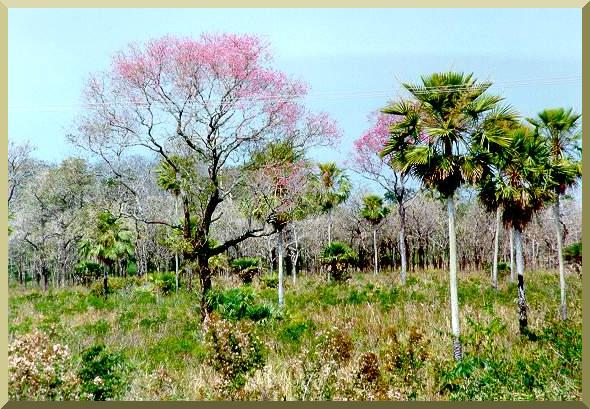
{"x":215,"y":98}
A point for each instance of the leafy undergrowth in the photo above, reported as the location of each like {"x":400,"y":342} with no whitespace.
{"x":366,"y":339}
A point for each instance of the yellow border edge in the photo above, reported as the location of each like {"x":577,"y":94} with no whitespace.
{"x":4,"y":203}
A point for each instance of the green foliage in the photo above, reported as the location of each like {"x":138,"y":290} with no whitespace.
{"x":246,"y":268}
{"x":164,"y":283}
{"x":490,"y":373}
{"x":87,"y":271}
{"x":270,"y":281}
{"x":373,"y":209}
{"x":103,"y":373}
{"x":404,"y":360}
{"x":333,"y":186}
{"x":116,"y":284}
{"x":443,"y":129}
{"x":573,"y":253}
{"x":338,"y":256}
{"x":239,"y":303}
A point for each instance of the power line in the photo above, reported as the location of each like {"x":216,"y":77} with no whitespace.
{"x":334,"y":95}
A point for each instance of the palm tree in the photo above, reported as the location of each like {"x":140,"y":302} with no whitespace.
{"x":168,"y":179}
{"x":334,"y":188}
{"x":283,"y":203}
{"x":559,"y":129}
{"x":374,"y":212}
{"x":448,"y":117}
{"x":520,"y":183}
{"x":109,"y":243}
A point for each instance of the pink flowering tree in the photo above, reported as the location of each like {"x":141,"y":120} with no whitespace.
{"x":367,"y":162}
{"x":215,"y":99}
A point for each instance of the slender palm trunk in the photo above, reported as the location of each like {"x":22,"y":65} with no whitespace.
{"x":512,"y":266}
{"x":496,"y":245}
{"x":522,"y":306}
{"x":375,"y":249}
{"x":558,"y":232}
{"x":457,"y":348}
{"x":402,"y":243}
{"x":330,"y":226}
{"x":280,"y":262}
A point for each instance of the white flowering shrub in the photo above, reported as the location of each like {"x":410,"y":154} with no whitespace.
{"x":39,"y":370}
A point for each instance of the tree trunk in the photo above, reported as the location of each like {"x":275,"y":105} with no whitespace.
{"x":45,"y":277}
{"x":176,"y":253}
{"x":205,"y":280}
{"x":457,"y":348}
{"x":330,"y":226}
{"x":280,"y":261}
{"x":512,"y":266}
{"x":105,"y":281}
{"x":558,"y":232}
{"x":375,"y":249}
{"x":496,"y":246}
{"x":522,"y":306}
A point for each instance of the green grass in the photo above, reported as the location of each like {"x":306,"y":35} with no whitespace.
{"x":162,"y":339}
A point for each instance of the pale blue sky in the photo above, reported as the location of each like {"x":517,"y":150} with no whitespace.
{"x":359,"y":54}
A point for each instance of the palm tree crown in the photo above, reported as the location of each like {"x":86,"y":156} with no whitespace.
{"x":449,"y":115}
{"x":373,"y":210}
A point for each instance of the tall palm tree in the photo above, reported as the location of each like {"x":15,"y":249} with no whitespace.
{"x":559,"y":128}
{"x":110,"y":242}
{"x":374,"y":212}
{"x":284,"y":203}
{"x":520,"y":183}
{"x":334,"y":188}
{"x":169,"y":180}
{"x":447,"y":116}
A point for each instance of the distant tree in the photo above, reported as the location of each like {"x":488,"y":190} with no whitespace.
{"x":334,"y":188}
{"x":281,"y":191}
{"x":521,"y":184}
{"x":560,"y":129}
{"x":367,"y":162}
{"x":108,"y":242}
{"x":374,"y":212}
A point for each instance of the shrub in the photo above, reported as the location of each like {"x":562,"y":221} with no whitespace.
{"x":270,"y":281}
{"x":337,"y":257}
{"x":246,"y":268}
{"x":573,"y":256}
{"x":315,"y":370}
{"x":87,"y":271}
{"x":38,"y":370}
{"x":404,"y":360}
{"x":238,"y":303}
{"x":234,"y":351}
{"x":165,"y":283}
{"x":115,"y":284}
{"x":103,"y":373}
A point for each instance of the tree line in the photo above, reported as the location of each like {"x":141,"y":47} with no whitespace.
{"x":194,"y":153}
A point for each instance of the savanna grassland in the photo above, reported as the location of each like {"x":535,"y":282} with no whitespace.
{"x":369,"y":338}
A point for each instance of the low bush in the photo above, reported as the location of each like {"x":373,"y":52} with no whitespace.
{"x":239,"y":303}
{"x":234,"y":351}
{"x":40,"y":370}
{"x":103,"y":373}
{"x":246,"y":268}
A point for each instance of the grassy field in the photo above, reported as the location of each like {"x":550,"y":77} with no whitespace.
{"x":367,"y":339}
